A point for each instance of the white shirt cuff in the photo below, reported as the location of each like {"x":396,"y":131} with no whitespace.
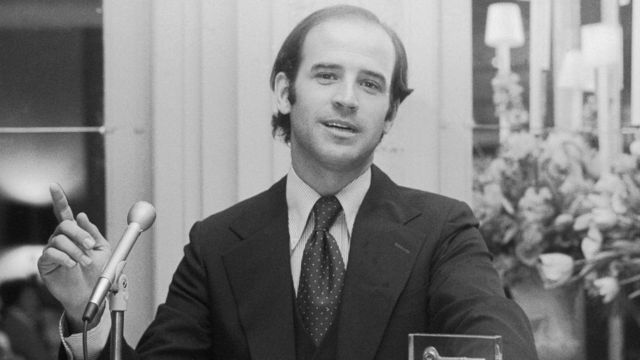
{"x":96,"y":338}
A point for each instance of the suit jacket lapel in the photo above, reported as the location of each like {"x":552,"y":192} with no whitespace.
{"x":381,"y":257}
{"x":260,"y":275}
{"x":382,"y":254}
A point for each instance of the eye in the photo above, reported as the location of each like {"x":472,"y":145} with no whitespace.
{"x":371,"y":85}
{"x":326,"y":77}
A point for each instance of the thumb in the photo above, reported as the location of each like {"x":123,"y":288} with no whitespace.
{"x":83,"y":221}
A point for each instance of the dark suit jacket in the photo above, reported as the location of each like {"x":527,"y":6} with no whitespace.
{"x":417,"y":264}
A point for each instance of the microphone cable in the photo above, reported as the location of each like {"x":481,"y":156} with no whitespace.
{"x":85,"y":350}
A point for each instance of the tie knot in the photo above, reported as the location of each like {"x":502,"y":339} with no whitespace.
{"x":326,"y":211}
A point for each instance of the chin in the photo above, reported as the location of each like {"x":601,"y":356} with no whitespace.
{"x":344,"y":163}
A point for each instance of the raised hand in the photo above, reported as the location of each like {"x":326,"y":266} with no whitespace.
{"x":73,"y":259}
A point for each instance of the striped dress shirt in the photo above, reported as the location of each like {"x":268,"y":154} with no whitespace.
{"x":300,"y":200}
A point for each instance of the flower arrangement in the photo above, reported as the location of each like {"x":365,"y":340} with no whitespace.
{"x":507,"y":99}
{"x":546,"y":208}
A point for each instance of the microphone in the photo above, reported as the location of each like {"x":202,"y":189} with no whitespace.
{"x":140,"y":218}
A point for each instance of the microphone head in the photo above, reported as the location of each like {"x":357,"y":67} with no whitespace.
{"x":143,"y":214}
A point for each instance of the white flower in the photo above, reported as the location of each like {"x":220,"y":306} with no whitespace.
{"x":624,"y":163}
{"x":609,"y":183}
{"x":563,"y":220}
{"x":595,"y":234}
{"x":582,"y":222}
{"x":519,"y":145}
{"x":535,"y":204}
{"x":590,"y":246}
{"x":599,"y":200}
{"x":555,"y":268}
{"x":604,"y":218}
{"x":634,"y":148}
{"x":618,"y":204}
{"x":608,"y":287}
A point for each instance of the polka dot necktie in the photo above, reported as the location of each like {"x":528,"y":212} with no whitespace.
{"x":322,"y":272}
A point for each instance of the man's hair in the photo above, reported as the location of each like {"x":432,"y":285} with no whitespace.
{"x":290,"y":56}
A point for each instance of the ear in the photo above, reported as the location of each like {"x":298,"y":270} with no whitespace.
{"x":388,"y":121}
{"x":387,"y":125}
{"x":281,"y":92}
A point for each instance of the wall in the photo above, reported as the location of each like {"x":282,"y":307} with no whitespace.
{"x":128,"y":144}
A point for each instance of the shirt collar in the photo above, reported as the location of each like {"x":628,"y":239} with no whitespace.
{"x":301,"y":198}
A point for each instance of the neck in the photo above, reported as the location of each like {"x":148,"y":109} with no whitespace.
{"x":327,"y":181}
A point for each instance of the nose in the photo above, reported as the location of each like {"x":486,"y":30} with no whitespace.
{"x":346,"y":98}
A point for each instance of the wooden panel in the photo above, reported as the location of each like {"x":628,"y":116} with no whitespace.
{"x":219,"y":105}
{"x":128,"y":144}
{"x":456,"y":118}
{"x":255,"y":144}
{"x":176,"y":130}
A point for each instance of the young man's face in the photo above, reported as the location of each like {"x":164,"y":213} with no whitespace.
{"x":342,"y":96}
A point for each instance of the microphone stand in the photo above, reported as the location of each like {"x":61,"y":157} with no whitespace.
{"x":118,"y":297}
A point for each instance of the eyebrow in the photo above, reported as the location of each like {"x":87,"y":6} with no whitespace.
{"x":325,"y":66}
{"x":374,"y":74}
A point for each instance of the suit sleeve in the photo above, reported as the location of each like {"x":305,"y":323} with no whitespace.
{"x":466,"y":294}
{"x":182,"y":327}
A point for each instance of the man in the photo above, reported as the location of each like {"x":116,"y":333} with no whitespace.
{"x":334,"y":261}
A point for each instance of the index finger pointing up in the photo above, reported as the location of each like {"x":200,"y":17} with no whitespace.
{"x":61,"y":207}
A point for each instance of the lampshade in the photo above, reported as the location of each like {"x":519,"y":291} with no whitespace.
{"x":504,"y":25}
{"x":30,"y":162}
{"x":19,"y":262}
{"x":574,"y":74}
{"x":601,"y":44}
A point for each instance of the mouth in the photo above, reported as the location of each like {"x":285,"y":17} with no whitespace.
{"x":340,"y":125}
